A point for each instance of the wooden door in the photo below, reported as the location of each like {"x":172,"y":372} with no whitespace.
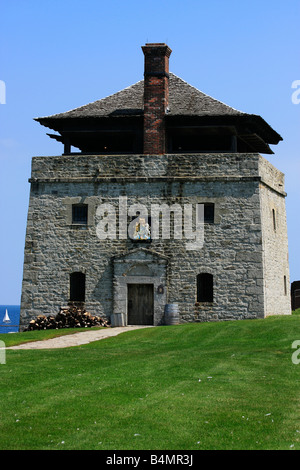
{"x":140,"y":304}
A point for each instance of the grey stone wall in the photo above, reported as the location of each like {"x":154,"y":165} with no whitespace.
{"x":247,"y":268}
{"x":274,"y":240}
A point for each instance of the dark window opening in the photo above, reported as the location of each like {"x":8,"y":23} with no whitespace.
{"x":108,"y":142}
{"x":209,"y":213}
{"x":204,"y":287}
{"x":284,"y":285}
{"x":79,"y":214}
{"x":274,"y":219}
{"x":77,"y":287}
{"x":199,"y":143}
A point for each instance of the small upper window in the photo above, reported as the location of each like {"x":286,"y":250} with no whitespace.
{"x":80,"y":214}
{"x":209,"y":212}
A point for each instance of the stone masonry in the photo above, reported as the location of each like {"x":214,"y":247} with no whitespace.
{"x":245,"y":249}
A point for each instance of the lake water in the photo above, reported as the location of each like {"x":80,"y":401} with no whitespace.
{"x":14,"y":316}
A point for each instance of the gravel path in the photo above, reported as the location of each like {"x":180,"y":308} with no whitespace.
{"x":77,"y":339}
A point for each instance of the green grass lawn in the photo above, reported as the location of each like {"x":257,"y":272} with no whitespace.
{"x":229,"y":385}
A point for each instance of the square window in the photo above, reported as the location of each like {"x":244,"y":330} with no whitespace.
{"x":79,"y":214}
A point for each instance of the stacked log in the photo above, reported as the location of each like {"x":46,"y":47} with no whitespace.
{"x":71,"y":316}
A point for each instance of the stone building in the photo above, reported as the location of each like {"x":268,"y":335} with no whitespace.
{"x":161,"y":196}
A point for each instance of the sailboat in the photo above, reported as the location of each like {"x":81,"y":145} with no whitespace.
{"x":6,"y":318}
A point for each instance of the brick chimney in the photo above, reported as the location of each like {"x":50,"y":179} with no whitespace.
{"x":156,"y":96}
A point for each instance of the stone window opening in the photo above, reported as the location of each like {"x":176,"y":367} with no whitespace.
{"x":284,"y":285}
{"x":79,"y":214}
{"x":274,"y":219}
{"x":209,"y":213}
{"x":205,"y":287}
{"x":77,"y":287}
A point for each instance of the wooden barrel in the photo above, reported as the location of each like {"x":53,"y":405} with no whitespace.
{"x":171,"y":314}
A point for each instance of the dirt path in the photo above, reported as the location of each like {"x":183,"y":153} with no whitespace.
{"x":77,"y":339}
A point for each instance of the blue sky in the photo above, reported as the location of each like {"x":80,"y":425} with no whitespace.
{"x":60,"y":54}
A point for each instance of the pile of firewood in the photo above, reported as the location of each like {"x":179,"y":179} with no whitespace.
{"x":68,"y":317}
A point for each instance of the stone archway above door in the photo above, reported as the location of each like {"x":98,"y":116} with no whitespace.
{"x":140,"y":266}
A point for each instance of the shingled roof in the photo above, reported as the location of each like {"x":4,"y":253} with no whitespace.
{"x":184,"y":101}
